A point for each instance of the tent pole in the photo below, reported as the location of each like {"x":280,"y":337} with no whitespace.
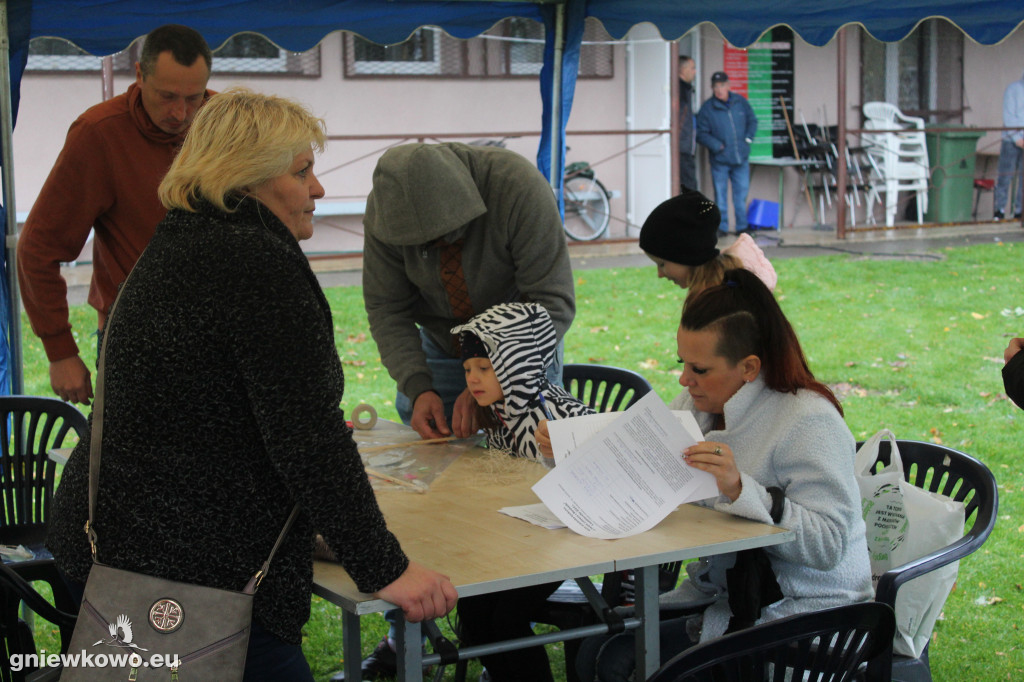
{"x":11,"y":231}
{"x":556,"y":98}
{"x":842,"y":177}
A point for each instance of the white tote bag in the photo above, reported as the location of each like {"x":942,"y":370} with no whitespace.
{"x":904,"y":523}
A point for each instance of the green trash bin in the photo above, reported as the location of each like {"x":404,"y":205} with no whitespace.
{"x":951,"y":155}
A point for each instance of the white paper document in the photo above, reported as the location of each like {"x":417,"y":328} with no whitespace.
{"x":569,"y":434}
{"x":537,"y":514}
{"x":628,"y":477}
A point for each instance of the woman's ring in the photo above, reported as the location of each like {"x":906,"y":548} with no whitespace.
{"x":718,"y":449}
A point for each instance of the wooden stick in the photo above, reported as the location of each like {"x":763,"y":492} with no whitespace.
{"x":394,"y":479}
{"x":374,"y":448}
{"x":796,"y":153}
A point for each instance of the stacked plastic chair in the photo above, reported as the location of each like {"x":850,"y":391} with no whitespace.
{"x":900,"y":159}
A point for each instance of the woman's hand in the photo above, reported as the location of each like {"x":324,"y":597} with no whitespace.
{"x":543,"y":437}
{"x":717,"y":460}
{"x":421,"y":593}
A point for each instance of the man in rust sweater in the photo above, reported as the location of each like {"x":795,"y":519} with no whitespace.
{"x":115,"y":155}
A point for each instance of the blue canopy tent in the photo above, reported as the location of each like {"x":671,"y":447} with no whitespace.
{"x":107,"y":26}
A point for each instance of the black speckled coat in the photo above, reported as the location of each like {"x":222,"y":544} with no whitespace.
{"x":223,"y":387}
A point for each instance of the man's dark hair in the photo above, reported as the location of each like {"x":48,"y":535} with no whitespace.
{"x":683,"y":58}
{"x":184,"y":44}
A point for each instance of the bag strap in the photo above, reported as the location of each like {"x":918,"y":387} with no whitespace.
{"x":867,"y":454}
{"x":95,"y":445}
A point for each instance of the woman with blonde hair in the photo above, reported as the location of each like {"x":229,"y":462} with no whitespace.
{"x":222,"y":392}
{"x":681,"y":237}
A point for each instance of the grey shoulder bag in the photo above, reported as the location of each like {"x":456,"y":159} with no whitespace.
{"x":133,"y":626}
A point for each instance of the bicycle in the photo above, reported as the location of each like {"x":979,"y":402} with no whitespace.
{"x":586,"y":203}
{"x":587,"y":214}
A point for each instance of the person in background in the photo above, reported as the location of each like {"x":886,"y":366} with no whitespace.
{"x":687,"y":124}
{"x":781,"y":454}
{"x":222,"y":385}
{"x":726,"y":125}
{"x":1013,"y":371}
{"x":681,"y":237}
{"x":1011,"y":152}
{"x":505,"y":352}
{"x":105,"y":179}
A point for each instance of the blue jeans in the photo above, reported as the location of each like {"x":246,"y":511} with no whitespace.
{"x":449,"y":378}
{"x":612,"y":658}
{"x":721,"y":175}
{"x":1009,"y":168}
{"x":268,"y":658}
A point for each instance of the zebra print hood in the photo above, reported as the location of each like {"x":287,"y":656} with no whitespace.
{"x":520,"y":341}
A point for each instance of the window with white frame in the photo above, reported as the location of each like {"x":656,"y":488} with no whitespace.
{"x":512,"y":48}
{"x":252,"y":53}
{"x":243,"y":53}
{"x":525,"y":46}
{"x":56,"y":55}
{"x":419,"y":55}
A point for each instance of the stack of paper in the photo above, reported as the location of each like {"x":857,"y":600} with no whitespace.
{"x":620,"y":473}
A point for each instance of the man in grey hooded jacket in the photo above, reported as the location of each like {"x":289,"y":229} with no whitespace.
{"x":483,"y":216}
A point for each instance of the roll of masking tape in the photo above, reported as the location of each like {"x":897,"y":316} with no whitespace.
{"x":358,"y":414}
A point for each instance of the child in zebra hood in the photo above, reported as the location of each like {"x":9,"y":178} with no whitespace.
{"x":505,"y":351}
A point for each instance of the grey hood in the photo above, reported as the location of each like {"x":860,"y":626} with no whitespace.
{"x":421,"y":192}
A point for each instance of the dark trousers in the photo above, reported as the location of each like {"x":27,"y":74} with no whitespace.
{"x":506,"y":615}
{"x":687,"y":171}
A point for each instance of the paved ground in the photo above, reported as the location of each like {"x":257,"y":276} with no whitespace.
{"x":344,"y":269}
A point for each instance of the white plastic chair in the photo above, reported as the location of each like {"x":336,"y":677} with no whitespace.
{"x":900,"y":159}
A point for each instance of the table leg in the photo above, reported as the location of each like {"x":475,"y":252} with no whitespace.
{"x":351,"y":646}
{"x":409,"y":646}
{"x":648,"y":645}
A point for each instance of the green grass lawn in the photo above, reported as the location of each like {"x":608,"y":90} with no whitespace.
{"x":914,"y":346}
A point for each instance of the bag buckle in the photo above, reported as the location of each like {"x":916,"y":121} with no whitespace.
{"x":91,"y":532}
{"x":256,"y":579}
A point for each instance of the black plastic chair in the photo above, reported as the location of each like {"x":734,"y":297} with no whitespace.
{"x":956,"y":475}
{"x":604,"y":388}
{"x":832,"y":645}
{"x":32,"y":426}
{"x":15,"y":633}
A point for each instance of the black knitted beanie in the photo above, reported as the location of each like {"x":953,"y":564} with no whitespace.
{"x":683,"y":229}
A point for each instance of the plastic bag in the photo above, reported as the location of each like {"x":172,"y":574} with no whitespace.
{"x":905,"y":523}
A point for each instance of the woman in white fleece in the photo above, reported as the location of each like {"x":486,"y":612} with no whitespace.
{"x":781,"y":453}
